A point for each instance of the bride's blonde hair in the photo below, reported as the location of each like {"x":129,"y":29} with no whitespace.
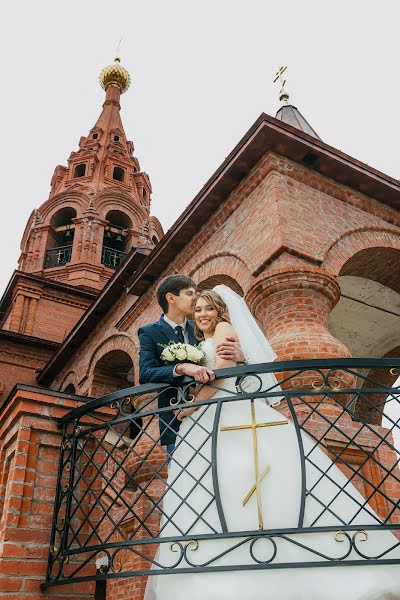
{"x":219,"y":305}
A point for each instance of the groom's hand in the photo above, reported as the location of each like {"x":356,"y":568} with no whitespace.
{"x":200,"y":374}
{"x":230,"y":349}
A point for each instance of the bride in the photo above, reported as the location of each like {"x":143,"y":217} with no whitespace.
{"x":223,"y":449}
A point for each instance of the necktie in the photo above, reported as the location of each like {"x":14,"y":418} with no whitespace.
{"x":179,"y":333}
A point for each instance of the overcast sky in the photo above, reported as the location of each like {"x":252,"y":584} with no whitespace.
{"x":202,"y":72}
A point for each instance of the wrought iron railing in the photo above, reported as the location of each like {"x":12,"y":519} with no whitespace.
{"x":112,"y":258}
{"x":325,"y":485}
{"x":56,"y":257}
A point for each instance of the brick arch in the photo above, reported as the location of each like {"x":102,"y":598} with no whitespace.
{"x":115,"y":342}
{"x":115,"y":201}
{"x":71,"y":378}
{"x":110,"y":373}
{"x":371,"y":410}
{"x":224,"y":268}
{"x":77,"y":200}
{"x":341,"y":250}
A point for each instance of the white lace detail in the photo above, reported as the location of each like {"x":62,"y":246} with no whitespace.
{"x":208,"y":348}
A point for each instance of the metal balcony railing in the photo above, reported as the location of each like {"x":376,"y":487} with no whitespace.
{"x":121,"y":511}
{"x":112,"y":258}
{"x":56,"y":257}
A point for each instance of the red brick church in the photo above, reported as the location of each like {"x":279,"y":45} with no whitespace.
{"x":308,"y":235}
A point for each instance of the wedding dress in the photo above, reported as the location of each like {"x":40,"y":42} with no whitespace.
{"x":190,"y":508}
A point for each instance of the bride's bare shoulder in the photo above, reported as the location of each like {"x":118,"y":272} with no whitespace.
{"x":224,"y":330}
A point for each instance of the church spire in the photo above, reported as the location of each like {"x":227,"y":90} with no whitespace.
{"x":99,"y":205}
{"x":289,"y":113}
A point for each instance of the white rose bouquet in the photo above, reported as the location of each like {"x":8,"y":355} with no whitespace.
{"x":177,"y":352}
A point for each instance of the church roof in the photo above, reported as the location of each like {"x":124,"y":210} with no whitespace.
{"x":267,"y":134}
{"x":292,"y":116}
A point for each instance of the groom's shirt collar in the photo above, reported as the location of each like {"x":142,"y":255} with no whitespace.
{"x":175,"y":325}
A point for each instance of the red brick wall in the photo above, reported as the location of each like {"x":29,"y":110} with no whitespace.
{"x":18,"y":363}
{"x":48,"y":324}
{"x":29,"y":452}
{"x":49,"y":314}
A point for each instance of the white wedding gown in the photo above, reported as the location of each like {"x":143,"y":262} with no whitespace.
{"x":280,"y":491}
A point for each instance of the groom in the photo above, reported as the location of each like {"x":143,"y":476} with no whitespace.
{"x":176,"y":297}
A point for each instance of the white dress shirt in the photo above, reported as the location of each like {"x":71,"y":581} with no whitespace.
{"x":175,"y":325}
{"x":184,"y":330}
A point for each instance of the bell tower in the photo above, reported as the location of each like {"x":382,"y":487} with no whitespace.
{"x":98,"y":207}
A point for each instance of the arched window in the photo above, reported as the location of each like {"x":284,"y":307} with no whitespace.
{"x":114,"y":371}
{"x":80,"y":170}
{"x":365,"y":318}
{"x":154,"y":240}
{"x":210,"y":282}
{"x":70,"y":389}
{"x":60,"y":238}
{"x":118,"y":174}
{"x":115,"y":240}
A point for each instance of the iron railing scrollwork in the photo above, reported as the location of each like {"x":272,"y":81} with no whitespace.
{"x":113,"y":504}
{"x":112,"y":258}
{"x":57,"y":257}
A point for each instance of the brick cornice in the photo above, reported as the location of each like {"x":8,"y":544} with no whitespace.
{"x":28,"y":339}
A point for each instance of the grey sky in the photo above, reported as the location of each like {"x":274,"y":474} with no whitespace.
{"x":201,"y":74}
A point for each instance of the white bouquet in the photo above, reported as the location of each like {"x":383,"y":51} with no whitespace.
{"x":177,"y":352}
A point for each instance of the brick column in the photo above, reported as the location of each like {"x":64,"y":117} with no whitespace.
{"x":293,"y":305}
{"x":29,"y":452}
{"x":30,"y":319}
{"x":17,"y":313}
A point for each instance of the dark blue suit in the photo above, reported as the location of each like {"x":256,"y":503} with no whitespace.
{"x":152,"y":369}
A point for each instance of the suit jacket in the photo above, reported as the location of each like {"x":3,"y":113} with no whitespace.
{"x":152,"y":369}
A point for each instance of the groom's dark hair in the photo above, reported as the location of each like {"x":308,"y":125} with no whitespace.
{"x":173,"y":284}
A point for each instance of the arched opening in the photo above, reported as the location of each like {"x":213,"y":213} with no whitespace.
{"x":371,"y":407}
{"x":115,"y":239}
{"x":222,"y":279}
{"x":111,"y":374}
{"x":60,"y":238}
{"x":379,"y":264}
{"x":154,"y":239}
{"x":367,"y":320}
{"x":118,"y":173}
{"x":69,"y":389}
{"x":80,"y":170}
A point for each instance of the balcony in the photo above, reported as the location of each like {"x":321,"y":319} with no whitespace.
{"x":113,"y":501}
{"x":112,"y":258}
{"x":57,"y":257}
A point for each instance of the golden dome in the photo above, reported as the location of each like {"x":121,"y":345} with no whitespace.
{"x":116,"y":76}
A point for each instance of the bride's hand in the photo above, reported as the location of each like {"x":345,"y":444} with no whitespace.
{"x":182,"y":413}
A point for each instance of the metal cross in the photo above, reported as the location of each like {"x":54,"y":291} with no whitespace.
{"x":118,"y":49}
{"x":258,"y":477}
{"x":283,"y":95}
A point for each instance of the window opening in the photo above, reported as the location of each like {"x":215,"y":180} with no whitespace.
{"x":118,"y":174}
